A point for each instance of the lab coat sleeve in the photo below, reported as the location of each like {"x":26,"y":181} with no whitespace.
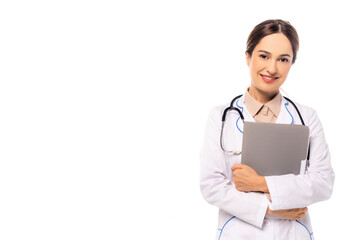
{"x":218,"y":188}
{"x":290,"y":191}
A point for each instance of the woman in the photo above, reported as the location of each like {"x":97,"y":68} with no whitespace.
{"x":253,"y":206}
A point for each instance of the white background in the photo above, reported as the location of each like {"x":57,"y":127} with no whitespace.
{"x":103,"y":106}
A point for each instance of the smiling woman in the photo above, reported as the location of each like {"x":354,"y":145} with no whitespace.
{"x":268,"y":61}
{"x":253,"y":206}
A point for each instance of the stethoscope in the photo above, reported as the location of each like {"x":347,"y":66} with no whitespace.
{"x":232,"y":108}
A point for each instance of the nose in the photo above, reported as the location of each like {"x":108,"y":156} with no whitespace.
{"x":272,"y":67}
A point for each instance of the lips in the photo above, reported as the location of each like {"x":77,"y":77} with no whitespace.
{"x":268,"y":78}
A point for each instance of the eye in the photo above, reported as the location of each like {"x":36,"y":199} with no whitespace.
{"x":284,"y":60}
{"x":263,"y":56}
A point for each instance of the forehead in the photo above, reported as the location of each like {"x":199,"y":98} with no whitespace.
{"x":276,"y":43}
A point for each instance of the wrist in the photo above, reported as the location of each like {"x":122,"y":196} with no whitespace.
{"x":268,"y":211}
{"x":263,"y":185}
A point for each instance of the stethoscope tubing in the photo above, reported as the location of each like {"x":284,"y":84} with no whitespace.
{"x":232,"y":108}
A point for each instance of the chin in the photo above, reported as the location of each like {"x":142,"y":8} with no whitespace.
{"x":267,"y":88}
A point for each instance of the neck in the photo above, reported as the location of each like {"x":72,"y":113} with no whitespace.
{"x":261,"y":96}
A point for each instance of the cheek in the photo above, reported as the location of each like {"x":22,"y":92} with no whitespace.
{"x":285,"y":70}
{"x":256,"y":67}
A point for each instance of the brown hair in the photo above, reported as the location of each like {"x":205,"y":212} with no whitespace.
{"x":270,"y":27}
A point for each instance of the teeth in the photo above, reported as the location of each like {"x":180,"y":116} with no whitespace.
{"x":269,"y":78}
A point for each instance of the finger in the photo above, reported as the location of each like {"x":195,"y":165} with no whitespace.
{"x":281,"y":211}
{"x":237,"y":166}
{"x":298,"y":209}
{"x":236,"y":172}
{"x":300,"y":216}
{"x":301,"y":210}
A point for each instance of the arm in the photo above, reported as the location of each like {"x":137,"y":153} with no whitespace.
{"x":217,"y":187}
{"x":247,"y":180}
{"x":290,"y":191}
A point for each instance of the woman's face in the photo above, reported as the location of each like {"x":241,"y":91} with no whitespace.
{"x":269,"y":65}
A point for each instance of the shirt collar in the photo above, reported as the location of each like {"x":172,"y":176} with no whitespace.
{"x":254,"y":106}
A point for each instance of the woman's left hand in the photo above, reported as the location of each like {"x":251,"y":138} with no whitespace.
{"x":247,"y":180}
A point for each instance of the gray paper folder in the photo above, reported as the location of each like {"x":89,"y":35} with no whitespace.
{"x":274,"y":149}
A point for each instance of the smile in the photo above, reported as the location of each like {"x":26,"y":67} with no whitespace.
{"x":268,"y":78}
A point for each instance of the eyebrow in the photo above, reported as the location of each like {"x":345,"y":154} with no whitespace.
{"x":283,"y":55}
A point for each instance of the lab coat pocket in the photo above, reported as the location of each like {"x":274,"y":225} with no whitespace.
{"x":225,"y":226}
{"x":303,"y":230}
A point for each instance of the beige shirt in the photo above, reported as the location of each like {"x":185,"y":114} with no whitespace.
{"x":268,"y":112}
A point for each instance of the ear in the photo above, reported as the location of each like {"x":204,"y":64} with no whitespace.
{"x":247,"y":58}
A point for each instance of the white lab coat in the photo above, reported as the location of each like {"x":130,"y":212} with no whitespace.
{"x":243,"y":215}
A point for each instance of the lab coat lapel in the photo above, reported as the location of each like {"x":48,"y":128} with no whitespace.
{"x":286,"y":113}
{"x":241,"y":105}
{"x":247,"y":116}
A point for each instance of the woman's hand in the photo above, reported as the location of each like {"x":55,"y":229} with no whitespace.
{"x":294,"y":214}
{"x":247,"y":180}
